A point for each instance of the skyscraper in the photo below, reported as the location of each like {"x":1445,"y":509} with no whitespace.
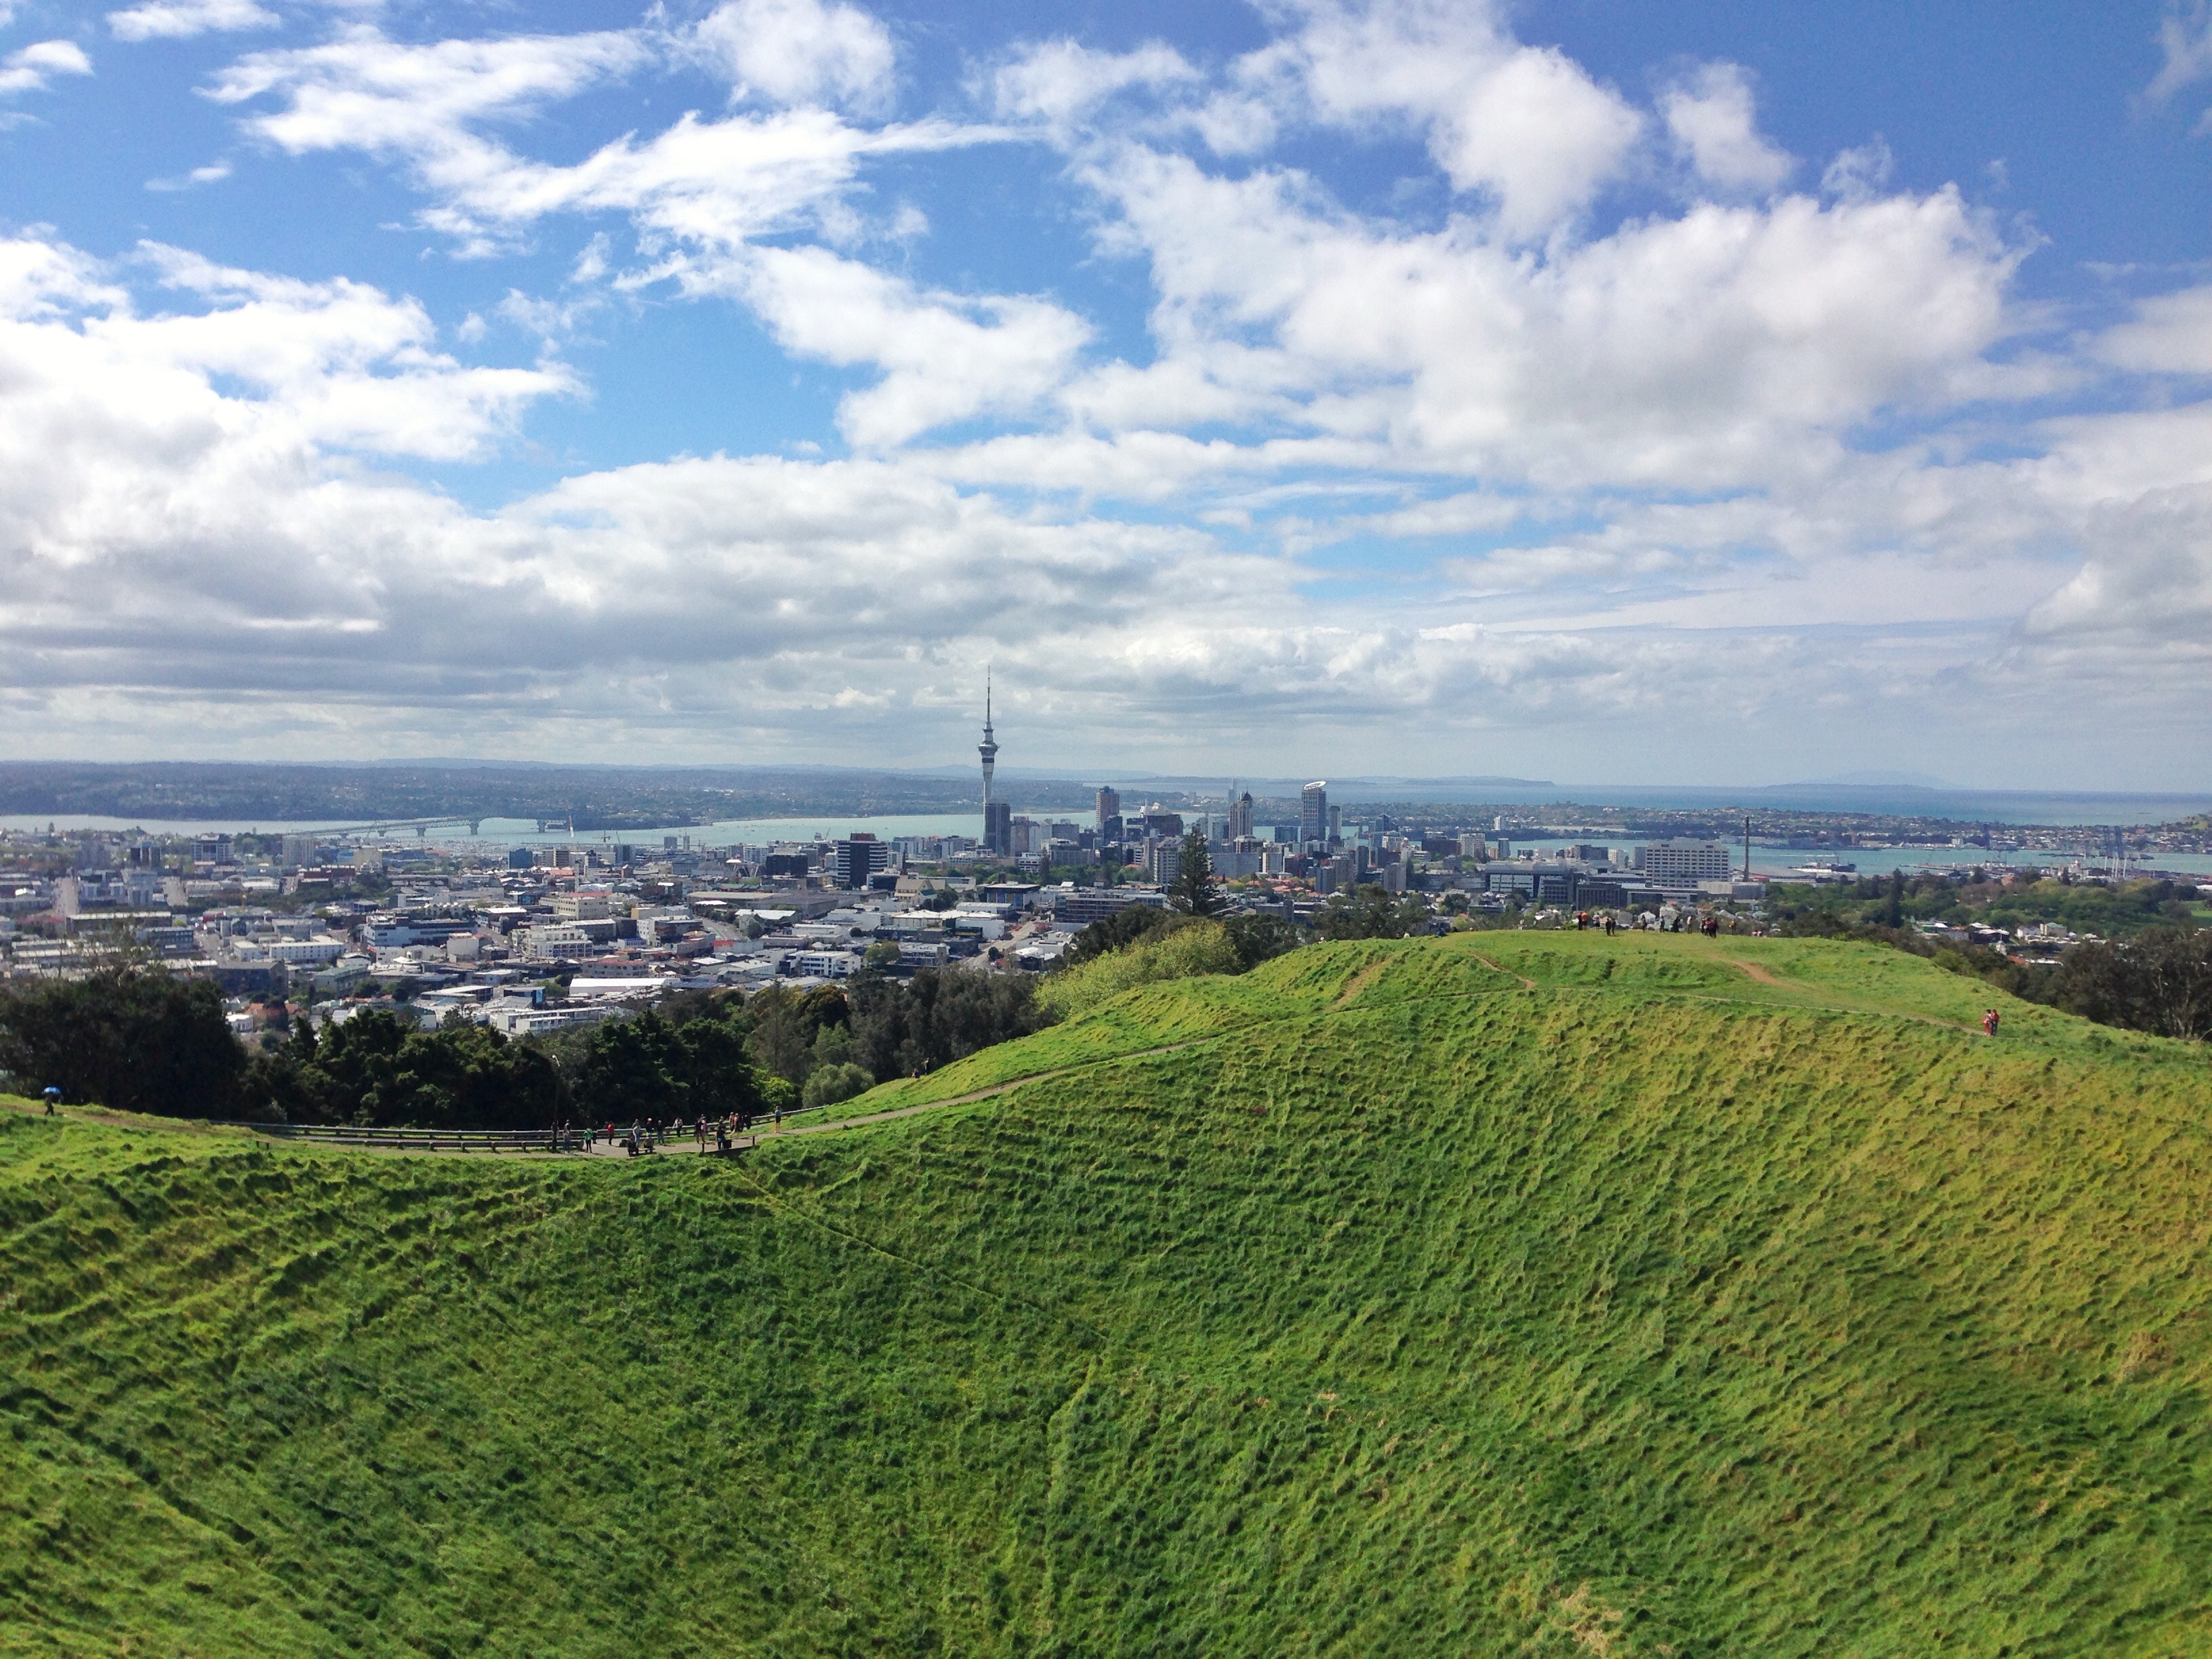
{"x":1240,"y":817}
{"x":1109,"y":805}
{"x":1313,"y":812}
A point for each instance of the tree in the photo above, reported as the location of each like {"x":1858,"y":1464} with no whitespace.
{"x":1196,"y":892}
{"x":1259,"y":938}
{"x":378,"y":1070}
{"x":135,"y":1039}
{"x":1892,"y":911}
{"x":2160,"y":981}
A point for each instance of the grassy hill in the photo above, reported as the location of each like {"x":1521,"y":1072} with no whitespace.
{"x":1512,"y":1293}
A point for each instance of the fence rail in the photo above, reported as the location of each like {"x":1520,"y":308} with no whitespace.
{"x":442,"y":1141}
{"x":580,"y":1143}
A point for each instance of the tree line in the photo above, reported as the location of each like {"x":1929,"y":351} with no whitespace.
{"x":141,"y":1040}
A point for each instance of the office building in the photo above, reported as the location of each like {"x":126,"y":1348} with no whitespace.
{"x":859,"y":857}
{"x":1240,"y":817}
{"x":1163,"y":862}
{"x":1313,"y":812}
{"x":1081,"y":906}
{"x":1681,"y":863}
{"x":998,"y":829}
{"x":1109,"y":808}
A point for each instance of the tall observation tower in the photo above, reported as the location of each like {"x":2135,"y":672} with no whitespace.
{"x":998,"y":817}
{"x":989,"y":749}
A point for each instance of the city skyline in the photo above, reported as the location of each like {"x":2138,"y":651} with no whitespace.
{"x":1688,"y":396}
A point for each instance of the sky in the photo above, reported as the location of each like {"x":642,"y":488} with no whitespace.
{"x":1710,"y":393}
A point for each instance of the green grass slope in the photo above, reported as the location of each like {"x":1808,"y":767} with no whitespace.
{"x":1504,"y":1294}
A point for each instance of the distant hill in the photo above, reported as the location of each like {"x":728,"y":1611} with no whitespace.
{"x":1513,"y":1293}
{"x":595,"y":797}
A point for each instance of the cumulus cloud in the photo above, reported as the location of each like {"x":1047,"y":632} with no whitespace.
{"x":32,"y":68}
{"x":2171,"y":334}
{"x":801,"y":51}
{"x":945,"y":359}
{"x":1713,"y":120}
{"x":180,"y":19}
{"x":1526,"y":124}
{"x":1060,"y":81}
{"x":1713,"y":349}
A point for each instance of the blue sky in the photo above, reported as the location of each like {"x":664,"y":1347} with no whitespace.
{"x":1703,"y":394}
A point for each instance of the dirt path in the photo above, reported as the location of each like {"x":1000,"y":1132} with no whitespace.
{"x":1752,"y":969}
{"x":995,"y":1088}
{"x":1527,"y":984}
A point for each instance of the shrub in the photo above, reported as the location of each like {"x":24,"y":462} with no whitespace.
{"x":830,"y":1084}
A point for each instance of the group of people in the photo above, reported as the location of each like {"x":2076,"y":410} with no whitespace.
{"x":648,"y":1134}
{"x":1681,"y":922}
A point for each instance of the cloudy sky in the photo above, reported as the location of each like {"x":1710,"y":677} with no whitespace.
{"x":1708,"y":393}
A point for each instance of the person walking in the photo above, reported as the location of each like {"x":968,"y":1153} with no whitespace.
{"x":53,"y":1098}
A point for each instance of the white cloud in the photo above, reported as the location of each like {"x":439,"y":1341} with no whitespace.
{"x":180,"y":20}
{"x":1727,"y":347}
{"x":2184,"y":41}
{"x":29,"y":68}
{"x":1713,"y":120}
{"x":945,"y":358}
{"x":801,"y":51}
{"x":1526,"y":124}
{"x":1059,"y":81}
{"x":706,"y":182}
{"x":2171,"y":334}
{"x":1861,"y":172}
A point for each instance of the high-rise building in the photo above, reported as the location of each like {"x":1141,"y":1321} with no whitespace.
{"x":1336,"y":824}
{"x":1109,"y":805}
{"x":858,"y":859}
{"x":1313,"y":812}
{"x":1240,"y":817}
{"x":1163,"y":862}
{"x":998,"y":827}
{"x":1667,"y":863}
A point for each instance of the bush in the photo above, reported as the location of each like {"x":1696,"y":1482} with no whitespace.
{"x":135,"y":1039}
{"x":1180,"y":952}
{"x":830,"y":1084}
{"x":1118,"y":932}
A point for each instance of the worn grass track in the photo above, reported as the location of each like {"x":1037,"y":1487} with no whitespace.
{"x":1648,"y":1306}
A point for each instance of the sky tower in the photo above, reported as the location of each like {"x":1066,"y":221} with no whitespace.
{"x":989,"y":749}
